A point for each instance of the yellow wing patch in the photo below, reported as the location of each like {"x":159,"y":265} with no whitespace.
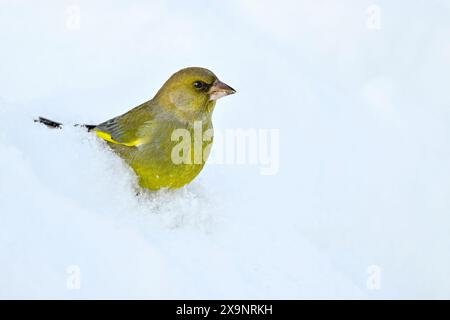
{"x":107,"y":137}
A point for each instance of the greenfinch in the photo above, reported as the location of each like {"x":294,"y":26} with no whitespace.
{"x":144,"y":136}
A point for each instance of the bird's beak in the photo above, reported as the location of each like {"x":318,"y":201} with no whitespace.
{"x":219,"y":90}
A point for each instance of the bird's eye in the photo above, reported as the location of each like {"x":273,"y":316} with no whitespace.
{"x":199,"y":85}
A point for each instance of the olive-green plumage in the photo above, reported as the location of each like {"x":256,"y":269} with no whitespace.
{"x":143,"y":135}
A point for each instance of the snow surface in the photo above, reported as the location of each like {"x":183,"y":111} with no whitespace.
{"x":364,"y":176}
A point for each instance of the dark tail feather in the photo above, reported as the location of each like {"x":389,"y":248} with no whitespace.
{"x":89,"y":127}
{"x":56,"y":125}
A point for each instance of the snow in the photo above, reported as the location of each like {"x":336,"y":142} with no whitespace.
{"x":358,"y":208}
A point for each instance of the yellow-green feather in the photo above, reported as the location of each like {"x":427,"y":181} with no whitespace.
{"x":142,"y":136}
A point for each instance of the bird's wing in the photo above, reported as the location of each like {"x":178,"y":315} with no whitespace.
{"x":127,"y":129}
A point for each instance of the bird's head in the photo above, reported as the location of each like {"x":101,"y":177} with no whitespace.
{"x":192,"y":91}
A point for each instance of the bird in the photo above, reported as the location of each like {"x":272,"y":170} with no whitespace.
{"x":144,"y":136}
